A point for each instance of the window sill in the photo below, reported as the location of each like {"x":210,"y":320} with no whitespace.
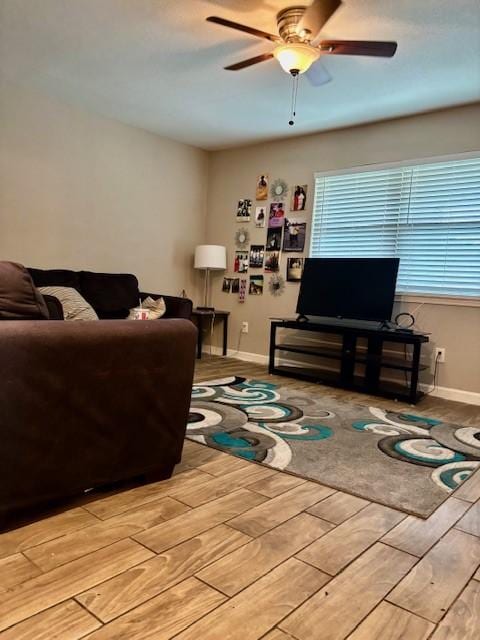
{"x":424,"y":298}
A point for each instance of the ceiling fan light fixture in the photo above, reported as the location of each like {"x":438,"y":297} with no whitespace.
{"x":296,"y":56}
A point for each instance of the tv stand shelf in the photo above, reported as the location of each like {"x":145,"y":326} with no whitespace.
{"x":349,"y":354}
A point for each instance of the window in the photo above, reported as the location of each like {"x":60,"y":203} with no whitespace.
{"x":428,"y":215}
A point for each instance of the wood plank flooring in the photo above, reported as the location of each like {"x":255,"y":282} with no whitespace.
{"x":227,"y":549}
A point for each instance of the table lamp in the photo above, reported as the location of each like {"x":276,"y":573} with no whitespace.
{"x":210,"y":257}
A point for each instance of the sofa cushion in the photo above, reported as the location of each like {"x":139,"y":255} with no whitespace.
{"x":112,"y":295}
{"x":55,"y":278}
{"x":74,"y":306}
{"x":19,"y":300}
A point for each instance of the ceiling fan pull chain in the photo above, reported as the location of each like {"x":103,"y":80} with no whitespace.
{"x":293,"y":107}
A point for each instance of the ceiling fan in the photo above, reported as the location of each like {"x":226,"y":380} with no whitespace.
{"x":299,"y":46}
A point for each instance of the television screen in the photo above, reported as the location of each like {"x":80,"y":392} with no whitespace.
{"x":359,"y":288}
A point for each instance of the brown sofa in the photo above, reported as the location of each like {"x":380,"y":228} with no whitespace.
{"x":84,"y":404}
{"x":112,"y":295}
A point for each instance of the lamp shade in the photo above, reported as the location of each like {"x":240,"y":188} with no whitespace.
{"x":210,"y":256}
{"x":296,"y":56}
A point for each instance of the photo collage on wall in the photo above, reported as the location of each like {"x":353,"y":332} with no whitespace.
{"x":299,"y":197}
{"x":257,"y":252}
{"x":286,"y":230}
{"x":294,"y":235}
{"x":256,"y":286}
{"x":260,"y":216}
{"x":276,"y":216}
{"x":244,"y":209}
{"x":295,"y":269}
{"x":231,"y":285}
{"x":241,"y":262}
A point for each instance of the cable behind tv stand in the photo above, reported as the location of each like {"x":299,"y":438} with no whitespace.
{"x":341,"y":360}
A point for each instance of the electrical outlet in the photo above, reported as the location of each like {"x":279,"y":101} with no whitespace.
{"x":440,"y":354}
{"x":244,"y":327}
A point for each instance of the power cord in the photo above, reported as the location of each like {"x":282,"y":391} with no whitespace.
{"x":238,"y":345}
{"x":405,"y":354}
{"x":415,"y":312}
{"x":412,"y":316}
{"x":435,"y":371}
{"x":405,"y":314}
{"x":212,"y":326}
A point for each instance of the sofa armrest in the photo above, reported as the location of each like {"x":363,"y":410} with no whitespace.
{"x":89,"y":403}
{"x":176,"y":307}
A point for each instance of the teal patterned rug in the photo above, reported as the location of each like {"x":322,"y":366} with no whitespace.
{"x":405,"y":461}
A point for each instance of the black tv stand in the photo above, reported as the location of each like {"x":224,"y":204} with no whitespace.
{"x":358,"y":367}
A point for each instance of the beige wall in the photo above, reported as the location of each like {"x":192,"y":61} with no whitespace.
{"x":232,"y":176}
{"x":82,"y":191}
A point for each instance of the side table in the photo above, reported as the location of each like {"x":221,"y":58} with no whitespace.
{"x":200,"y":316}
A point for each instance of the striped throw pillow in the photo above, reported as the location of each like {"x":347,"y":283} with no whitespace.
{"x":75,"y":307}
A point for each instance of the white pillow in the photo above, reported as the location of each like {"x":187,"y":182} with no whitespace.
{"x":155,"y":309}
{"x":75,"y":307}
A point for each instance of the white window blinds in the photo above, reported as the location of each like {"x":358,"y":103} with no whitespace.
{"x":427,"y":215}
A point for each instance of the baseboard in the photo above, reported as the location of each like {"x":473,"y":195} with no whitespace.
{"x":447,"y":393}
{"x":258,"y":358}
{"x":457,"y":395}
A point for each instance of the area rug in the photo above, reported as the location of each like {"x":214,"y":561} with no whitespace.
{"x":401,"y":460}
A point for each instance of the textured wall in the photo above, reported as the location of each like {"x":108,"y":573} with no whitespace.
{"x":232,"y":176}
{"x":82,"y":191}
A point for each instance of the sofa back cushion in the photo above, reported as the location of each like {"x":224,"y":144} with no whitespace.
{"x":19,"y":300}
{"x":112,"y":295}
{"x":55,"y":278}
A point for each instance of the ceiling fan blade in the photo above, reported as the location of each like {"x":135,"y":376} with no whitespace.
{"x":316,"y":15}
{"x":242,"y":27}
{"x":318,"y":75}
{"x":358,"y":48}
{"x":248,"y":63}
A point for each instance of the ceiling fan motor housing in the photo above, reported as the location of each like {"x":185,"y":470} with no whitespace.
{"x":287,"y":22}
{"x":296,"y":54}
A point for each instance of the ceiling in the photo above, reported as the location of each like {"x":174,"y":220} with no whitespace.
{"x":158,"y":65}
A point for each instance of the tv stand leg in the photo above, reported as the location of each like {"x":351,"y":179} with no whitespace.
{"x":271,"y":357}
{"x":347,"y":369}
{"x":372,"y":369}
{"x":414,"y":376}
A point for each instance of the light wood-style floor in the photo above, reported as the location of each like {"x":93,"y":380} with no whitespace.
{"x":228,"y":549}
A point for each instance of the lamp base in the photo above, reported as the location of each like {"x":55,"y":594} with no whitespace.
{"x":206,"y":308}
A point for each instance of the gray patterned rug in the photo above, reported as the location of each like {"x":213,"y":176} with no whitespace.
{"x":408,"y":462}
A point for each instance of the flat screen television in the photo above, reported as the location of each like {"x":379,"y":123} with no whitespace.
{"x":357,"y":288}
